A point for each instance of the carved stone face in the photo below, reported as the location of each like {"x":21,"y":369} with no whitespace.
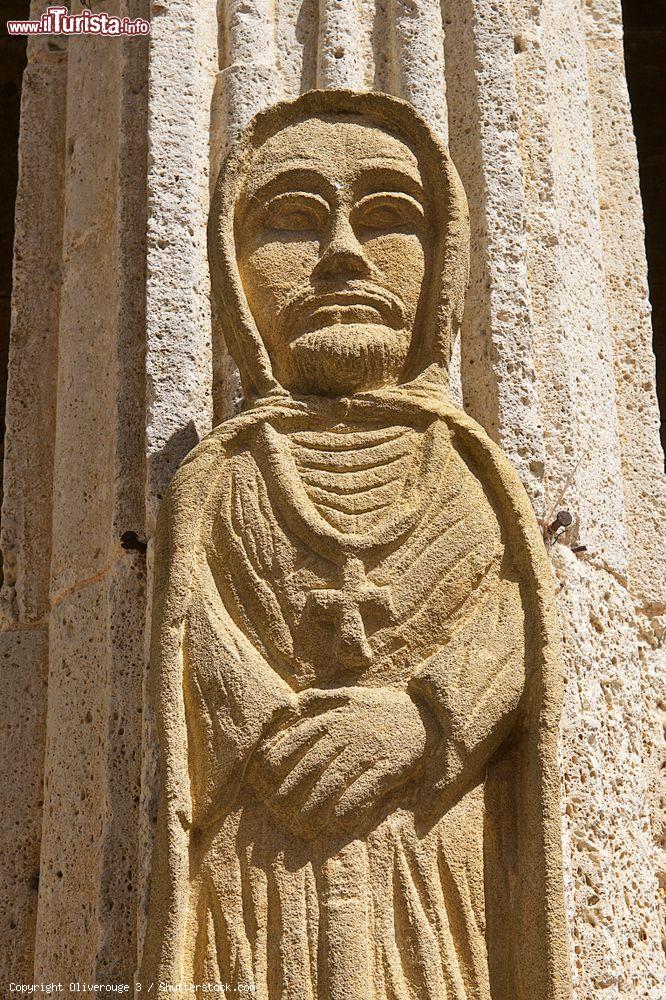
{"x":333,"y":248}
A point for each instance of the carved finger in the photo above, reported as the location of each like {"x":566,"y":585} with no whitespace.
{"x":308,"y":771}
{"x":340,"y":773}
{"x":298,"y":737}
{"x":363,"y":793}
{"x":330,"y":699}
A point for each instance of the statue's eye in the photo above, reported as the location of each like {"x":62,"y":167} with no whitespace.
{"x":299,"y":212}
{"x":389,"y":211}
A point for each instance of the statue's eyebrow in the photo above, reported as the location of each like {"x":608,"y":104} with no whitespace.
{"x":389,"y":172}
{"x":286,"y":177}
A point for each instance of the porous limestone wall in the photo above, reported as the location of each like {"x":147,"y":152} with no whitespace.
{"x":111,"y":386}
{"x":73,"y":599}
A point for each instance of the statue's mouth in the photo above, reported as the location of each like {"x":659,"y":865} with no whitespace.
{"x":350,"y":308}
{"x":353,"y":304}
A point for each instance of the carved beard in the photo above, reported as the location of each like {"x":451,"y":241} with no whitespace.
{"x":345,"y":358}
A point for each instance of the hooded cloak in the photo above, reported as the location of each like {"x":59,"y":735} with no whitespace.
{"x":455,"y":891}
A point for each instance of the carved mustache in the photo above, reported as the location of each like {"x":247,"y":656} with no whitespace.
{"x":359,"y":292}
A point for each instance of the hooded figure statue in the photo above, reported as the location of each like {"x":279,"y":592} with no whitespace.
{"x":355,"y":652}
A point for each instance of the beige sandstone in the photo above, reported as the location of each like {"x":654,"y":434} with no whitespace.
{"x":74,"y":607}
{"x":554,"y":361}
{"x":28,"y":484}
{"x":355,"y":647}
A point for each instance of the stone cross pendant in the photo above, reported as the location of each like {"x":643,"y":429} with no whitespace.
{"x":348,"y":608}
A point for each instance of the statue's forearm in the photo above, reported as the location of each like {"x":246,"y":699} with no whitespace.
{"x":473,"y":687}
{"x":233,"y":696}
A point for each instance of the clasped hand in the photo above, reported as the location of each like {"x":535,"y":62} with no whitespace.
{"x":337,"y":756}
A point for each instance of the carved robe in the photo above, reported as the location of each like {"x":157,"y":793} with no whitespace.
{"x":382,"y":542}
{"x":458,"y":631}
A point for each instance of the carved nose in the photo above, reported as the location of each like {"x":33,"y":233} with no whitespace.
{"x":343,"y":255}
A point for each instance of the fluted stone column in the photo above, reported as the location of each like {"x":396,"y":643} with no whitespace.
{"x":26,"y":511}
{"x":73,"y":597}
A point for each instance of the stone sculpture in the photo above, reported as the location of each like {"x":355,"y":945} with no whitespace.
{"x":355,"y":650}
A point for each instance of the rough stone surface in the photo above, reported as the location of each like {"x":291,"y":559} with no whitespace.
{"x":90,"y":850}
{"x":541,"y":92}
{"x":25,"y":535}
{"x":24,"y":659}
{"x":613,"y":867}
{"x":355,"y":656}
{"x":498,"y":376}
{"x":178,"y":340}
{"x":67,"y":928}
{"x":628,"y":306}
{"x":87,"y":331}
{"x":555,"y":363}
{"x":30,"y":415}
{"x":75,"y":793}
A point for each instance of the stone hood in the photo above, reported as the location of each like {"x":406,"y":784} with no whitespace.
{"x":429,"y":358}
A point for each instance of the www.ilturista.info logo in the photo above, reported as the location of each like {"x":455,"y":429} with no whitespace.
{"x":59,"y":21}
